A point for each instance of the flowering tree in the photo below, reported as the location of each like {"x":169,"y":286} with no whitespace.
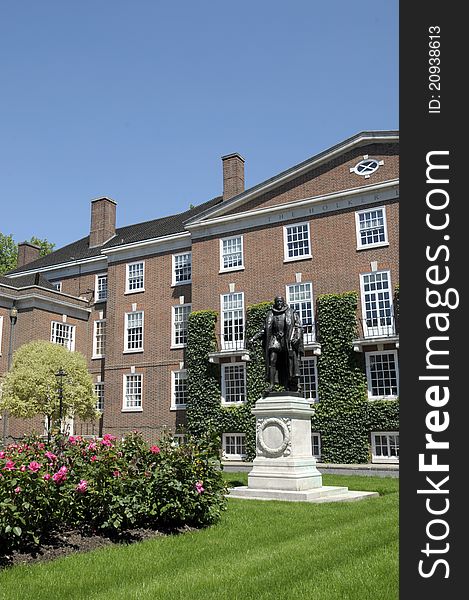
{"x":31,"y":388}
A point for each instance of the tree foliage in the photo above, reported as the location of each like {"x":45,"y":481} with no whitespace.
{"x":9,"y":251}
{"x":31,"y":387}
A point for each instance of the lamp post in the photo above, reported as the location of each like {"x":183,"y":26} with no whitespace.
{"x":60,"y":375}
{"x":13,"y":318}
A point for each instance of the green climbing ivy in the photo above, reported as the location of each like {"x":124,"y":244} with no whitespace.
{"x":344,"y":416}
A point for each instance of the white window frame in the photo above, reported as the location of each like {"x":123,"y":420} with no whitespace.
{"x":315,"y":434}
{"x":360,"y":245}
{"x":368,"y":374}
{"x":287,"y":257}
{"x":173,"y":325}
{"x":174,"y":282}
{"x":237,"y":456}
{"x":174,"y":404}
{"x":383,"y":459}
{"x":99,"y":396}
{"x":313,"y":359}
{"x":126,"y":408}
{"x":71,"y":344}
{"x":128,"y":350}
{"x":380,"y":329}
{"x":309,"y":337}
{"x":95,"y":338}
{"x":57,"y":286}
{"x":96,"y":287}
{"x":127,"y":276}
{"x":240,"y":267}
{"x":234,"y":344}
{"x":224,"y":368}
{"x":179,"y":439}
{"x":1,"y":333}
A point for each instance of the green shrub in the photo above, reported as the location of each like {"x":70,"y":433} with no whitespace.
{"x":106,"y":485}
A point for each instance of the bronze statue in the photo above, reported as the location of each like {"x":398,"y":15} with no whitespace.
{"x":282,"y":337}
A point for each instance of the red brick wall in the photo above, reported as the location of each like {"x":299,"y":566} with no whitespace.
{"x":333,"y":176}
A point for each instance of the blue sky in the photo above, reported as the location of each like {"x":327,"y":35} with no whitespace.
{"x":138,"y":100}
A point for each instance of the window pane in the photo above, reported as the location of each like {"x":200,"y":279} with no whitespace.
{"x":234,"y":383}
{"x":133,"y":391}
{"x":62,"y":334}
{"x":298,"y":240}
{"x":180,"y":388}
{"x":308,"y":379}
{"x":101,"y":285}
{"x":371,"y":227}
{"x":232,"y":321}
{"x":181,"y":316}
{"x":300,"y":298}
{"x":383,"y":374}
{"x":232,"y":253}
{"x":135,"y":276}
{"x":182,"y":267}
{"x":135,"y":331}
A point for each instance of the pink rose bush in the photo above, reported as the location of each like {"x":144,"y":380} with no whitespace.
{"x":106,"y":485}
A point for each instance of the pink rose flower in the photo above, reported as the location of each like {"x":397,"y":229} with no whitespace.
{"x":91,"y":446}
{"x":50,"y":455}
{"x":9,"y":466}
{"x":82,"y":486}
{"x":34,"y":466}
{"x":46,"y":477}
{"x":199,"y":487}
{"x":23,"y":468}
{"x":60,"y":476}
{"x":94,"y":458}
{"x":2,"y":454}
{"x":155,"y":450}
{"x":116,"y":473}
{"x":17,"y":490}
{"x":72,"y":439}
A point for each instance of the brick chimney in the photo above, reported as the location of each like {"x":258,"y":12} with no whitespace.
{"x":233,"y":175}
{"x":103,"y":221}
{"x":27,"y":252}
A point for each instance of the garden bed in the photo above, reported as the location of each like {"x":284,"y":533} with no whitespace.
{"x":75,"y":541}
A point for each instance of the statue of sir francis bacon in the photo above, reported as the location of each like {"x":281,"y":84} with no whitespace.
{"x":282,"y":338}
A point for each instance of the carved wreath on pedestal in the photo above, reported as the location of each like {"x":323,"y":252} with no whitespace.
{"x":285,"y":427}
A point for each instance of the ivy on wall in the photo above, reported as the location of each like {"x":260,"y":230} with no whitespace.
{"x":344,"y":416}
{"x":205,"y":412}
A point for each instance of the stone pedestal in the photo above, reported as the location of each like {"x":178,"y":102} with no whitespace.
{"x":284,"y":467}
{"x":284,"y":459}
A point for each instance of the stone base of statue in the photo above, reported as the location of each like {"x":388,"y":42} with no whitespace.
{"x":284,"y":467}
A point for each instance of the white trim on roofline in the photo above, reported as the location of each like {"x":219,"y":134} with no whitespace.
{"x":66,"y":266}
{"x":145,"y":247}
{"x":298,"y":209}
{"x":52,"y":305}
{"x":292,"y":173}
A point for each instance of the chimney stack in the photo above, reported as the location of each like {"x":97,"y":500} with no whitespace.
{"x":27,"y":252}
{"x":103,"y":221}
{"x":233,"y":175}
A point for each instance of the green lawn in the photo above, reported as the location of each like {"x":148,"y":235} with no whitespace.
{"x":260,"y":550}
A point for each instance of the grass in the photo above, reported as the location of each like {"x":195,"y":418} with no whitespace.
{"x":260,"y":550}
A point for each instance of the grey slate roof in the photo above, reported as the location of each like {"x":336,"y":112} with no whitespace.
{"x":148,"y":230}
{"x":26,"y":281}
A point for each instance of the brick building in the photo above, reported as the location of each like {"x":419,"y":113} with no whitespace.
{"x":122,"y":296}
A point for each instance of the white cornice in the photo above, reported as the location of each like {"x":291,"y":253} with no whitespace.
{"x":304,"y":208}
{"x":90,"y":263}
{"x":143,"y":248}
{"x":313,"y":163}
{"x":47,"y":303}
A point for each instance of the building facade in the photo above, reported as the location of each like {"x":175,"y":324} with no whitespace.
{"x":122,"y":296}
